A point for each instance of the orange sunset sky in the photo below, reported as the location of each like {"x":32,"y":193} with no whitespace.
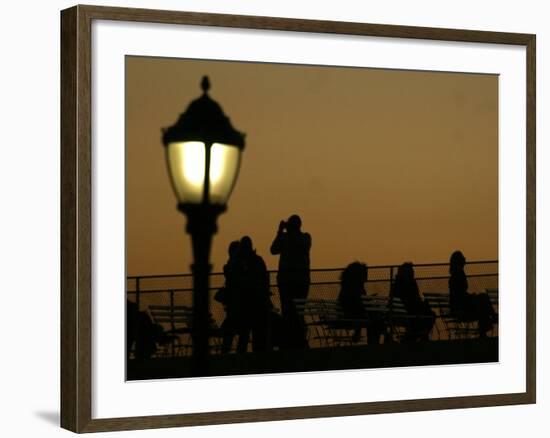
{"x":383,"y":166}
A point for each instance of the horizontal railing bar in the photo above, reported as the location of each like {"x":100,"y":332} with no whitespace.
{"x":318,"y":283}
{"x":419,"y":265}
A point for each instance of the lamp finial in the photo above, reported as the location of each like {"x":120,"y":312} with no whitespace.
{"x":205,"y":84}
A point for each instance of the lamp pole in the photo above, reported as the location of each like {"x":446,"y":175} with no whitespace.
{"x":203,"y":154}
{"x":201,"y":226}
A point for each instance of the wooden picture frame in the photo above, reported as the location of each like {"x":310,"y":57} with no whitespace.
{"x":76,"y":217}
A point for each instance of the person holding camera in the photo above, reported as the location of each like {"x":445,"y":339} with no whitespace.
{"x":293,"y":247}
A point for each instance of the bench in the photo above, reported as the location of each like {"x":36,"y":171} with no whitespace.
{"x":320,"y":318}
{"x":493,"y":295}
{"x":452,"y":327}
{"x":402,"y":325}
{"x":326,"y":323}
{"x":177,"y":323}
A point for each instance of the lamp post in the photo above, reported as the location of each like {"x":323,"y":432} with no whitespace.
{"x":203,"y":154}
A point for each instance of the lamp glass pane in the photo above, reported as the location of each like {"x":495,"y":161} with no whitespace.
{"x":224,"y":167}
{"x":186,"y":165}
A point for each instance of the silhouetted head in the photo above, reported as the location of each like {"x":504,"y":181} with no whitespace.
{"x":355,"y":272}
{"x":245,"y":245}
{"x":457,"y":262}
{"x":233,"y":249}
{"x":294,"y":223}
{"x":405,"y":272}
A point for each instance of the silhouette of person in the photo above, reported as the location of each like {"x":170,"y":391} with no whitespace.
{"x":131,"y":325}
{"x":405,"y":288}
{"x":228,"y":295}
{"x":466,"y":306}
{"x":352,"y":292}
{"x":142,"y":332}
{"x":293,"y":278}
{"x":255,"y":299}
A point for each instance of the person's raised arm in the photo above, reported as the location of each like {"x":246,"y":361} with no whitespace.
{"x":277,"y":242}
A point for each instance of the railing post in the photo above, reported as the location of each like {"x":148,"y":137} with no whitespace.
{"x":137,"y":292}
{"x":389,"y":329}
{"x":136,"y":322}
{"x":172,"y":323}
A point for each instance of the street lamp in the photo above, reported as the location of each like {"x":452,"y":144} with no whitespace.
{"x":203,"y":154}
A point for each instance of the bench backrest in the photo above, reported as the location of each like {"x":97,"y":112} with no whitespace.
{"x":327,"y":310}
{"x":173,"y":315}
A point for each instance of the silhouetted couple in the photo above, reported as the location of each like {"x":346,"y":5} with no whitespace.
{"x":246,"y":298}
{"x":466,"y":306}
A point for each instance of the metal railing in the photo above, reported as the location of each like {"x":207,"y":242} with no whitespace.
{"x":176,"y":289}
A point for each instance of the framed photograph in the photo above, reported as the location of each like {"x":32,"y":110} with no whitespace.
{"x":268,"y":218}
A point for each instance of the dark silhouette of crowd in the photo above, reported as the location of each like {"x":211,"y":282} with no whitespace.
{"x":250,"y":314}
{"x":246,"y":295}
